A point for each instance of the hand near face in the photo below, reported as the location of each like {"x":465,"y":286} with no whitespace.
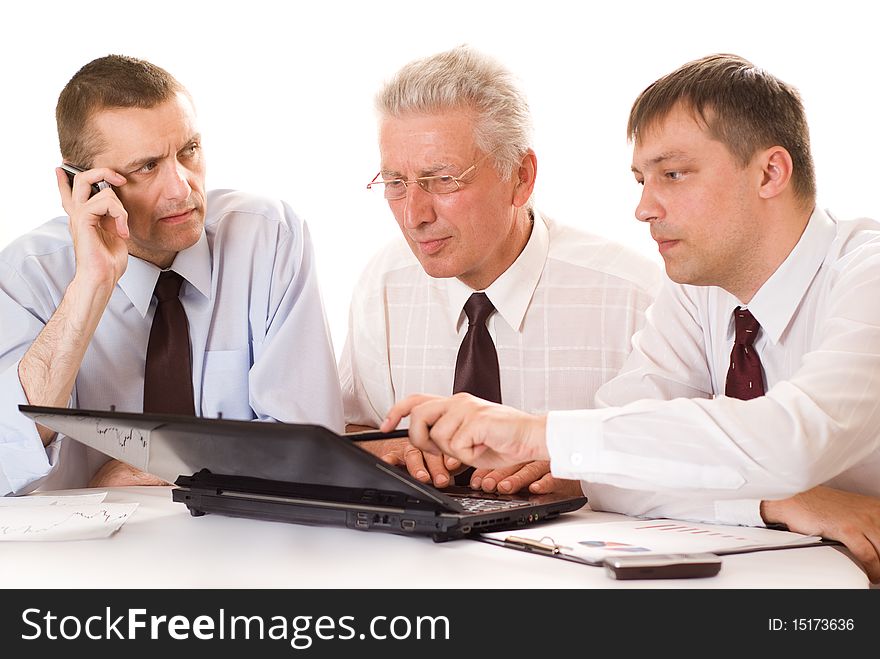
{"x":472,"y":430}
{"x":98,"y":226}
{"x":853,"y":519}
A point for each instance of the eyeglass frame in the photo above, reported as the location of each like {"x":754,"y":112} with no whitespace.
{"x":459,"y":180}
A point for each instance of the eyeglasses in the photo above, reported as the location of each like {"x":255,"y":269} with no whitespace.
{"x":395,"y":188}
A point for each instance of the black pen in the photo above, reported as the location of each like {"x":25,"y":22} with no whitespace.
{"x":376,"y":434}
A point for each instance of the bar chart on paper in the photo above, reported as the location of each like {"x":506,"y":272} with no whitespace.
{"x":594,"y":542}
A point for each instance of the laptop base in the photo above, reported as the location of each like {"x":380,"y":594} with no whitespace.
{"x":365,"y":510}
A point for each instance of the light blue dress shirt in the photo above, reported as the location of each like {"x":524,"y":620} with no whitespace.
{"x":261,"y":348}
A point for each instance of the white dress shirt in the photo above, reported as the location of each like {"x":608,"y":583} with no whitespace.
{"x":566,"y":311}
{"x":261,"y":348}
{"x":701,"y":455}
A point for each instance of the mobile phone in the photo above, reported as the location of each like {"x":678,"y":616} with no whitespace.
{"x":663,"y":566}
{"x":73,"y":170}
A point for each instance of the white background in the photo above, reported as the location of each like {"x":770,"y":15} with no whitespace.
{"x":284,"y":92}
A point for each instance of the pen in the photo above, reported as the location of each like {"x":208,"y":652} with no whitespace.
{"x":533,"y":545}
{"x":375,"y":434}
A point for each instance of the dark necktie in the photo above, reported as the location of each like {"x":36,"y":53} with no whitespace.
{"x":476,"y":368}
{"x":168,"y":368}
{"x":745,"y":379}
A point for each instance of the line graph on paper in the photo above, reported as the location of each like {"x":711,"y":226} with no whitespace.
{"x":130,"y":445}
{"x":123,"y":437}
{"x":126,"y":441}
{"x":62,"y":522}
{"x":41,"y":499}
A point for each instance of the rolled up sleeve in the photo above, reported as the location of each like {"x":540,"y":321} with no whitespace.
{"x":24,"y":461}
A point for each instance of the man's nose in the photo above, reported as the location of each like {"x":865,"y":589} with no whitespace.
{"x":418,"y":206}
{"x":649,"y":207}
{"x":176,"y":183}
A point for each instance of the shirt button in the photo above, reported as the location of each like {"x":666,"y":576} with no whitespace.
{"x":576,"y":459}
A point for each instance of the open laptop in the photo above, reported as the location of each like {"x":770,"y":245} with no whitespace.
{"x":298,"y":473}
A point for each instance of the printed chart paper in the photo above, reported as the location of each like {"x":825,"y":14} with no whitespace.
{"x":593,"y":542}
{"x":53,"y":518}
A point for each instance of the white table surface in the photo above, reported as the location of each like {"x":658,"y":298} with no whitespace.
{"x":163,"y":546}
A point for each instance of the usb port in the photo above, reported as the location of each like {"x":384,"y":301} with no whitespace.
{"x":408,"y":524}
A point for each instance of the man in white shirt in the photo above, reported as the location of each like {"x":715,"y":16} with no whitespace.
{"x":457,"y":171}
{"x":77,"y":294}
{"x":763,"y":279}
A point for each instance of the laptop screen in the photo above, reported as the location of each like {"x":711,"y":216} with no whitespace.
{"x":169,"y":446}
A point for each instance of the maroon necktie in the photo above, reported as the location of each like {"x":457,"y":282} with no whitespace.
{"x":476,"y":368}
{"x":745,"y":379}
{"x":168,"y":368}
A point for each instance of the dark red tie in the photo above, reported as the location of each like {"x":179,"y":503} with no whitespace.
{"x":745,"y":378}
{"x":168,"y":368}
{"x":476,"y":368}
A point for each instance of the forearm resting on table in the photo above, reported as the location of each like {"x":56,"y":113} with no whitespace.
{"x":114,"y":473}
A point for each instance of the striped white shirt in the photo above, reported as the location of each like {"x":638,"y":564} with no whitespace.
{"x":566,"y":310}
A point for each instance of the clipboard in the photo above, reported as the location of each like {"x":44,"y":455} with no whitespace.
{"x":543,"y":547}
{"x":547,"y":546}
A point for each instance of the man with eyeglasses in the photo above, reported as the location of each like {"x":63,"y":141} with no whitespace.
{"x":752,"y":395}
{"x":457,"y":171}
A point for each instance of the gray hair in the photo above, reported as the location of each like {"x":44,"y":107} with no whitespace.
{"x":464,"y":78}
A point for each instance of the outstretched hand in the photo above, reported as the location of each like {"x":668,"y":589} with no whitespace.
{"x":473,"y":430}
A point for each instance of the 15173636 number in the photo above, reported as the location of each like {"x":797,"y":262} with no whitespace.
{"x":811,"y":624}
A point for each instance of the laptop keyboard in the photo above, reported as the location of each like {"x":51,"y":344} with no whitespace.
{"x":476,"y":505}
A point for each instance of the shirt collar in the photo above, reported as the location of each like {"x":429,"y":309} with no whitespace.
{"x":512,"y":292}
{"x":193,"y":264}
{"x":774,"y":304}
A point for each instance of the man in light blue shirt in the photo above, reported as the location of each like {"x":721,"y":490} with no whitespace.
{"x":76,"y":294}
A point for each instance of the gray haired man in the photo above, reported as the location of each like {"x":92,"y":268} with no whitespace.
{"x":484,"y":294}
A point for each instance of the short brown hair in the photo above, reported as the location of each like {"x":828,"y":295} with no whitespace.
{"x":114,"y":81}
{"x":744,"y":107}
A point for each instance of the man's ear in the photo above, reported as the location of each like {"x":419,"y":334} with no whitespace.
{"x":776,"y":171}
{"x":524,"y":176}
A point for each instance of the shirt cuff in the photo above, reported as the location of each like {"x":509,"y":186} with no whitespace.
{"x":573,"y":441}
{"x":23,"y":458}
{"x":739,"y":512}
{"x":595,"y":445}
